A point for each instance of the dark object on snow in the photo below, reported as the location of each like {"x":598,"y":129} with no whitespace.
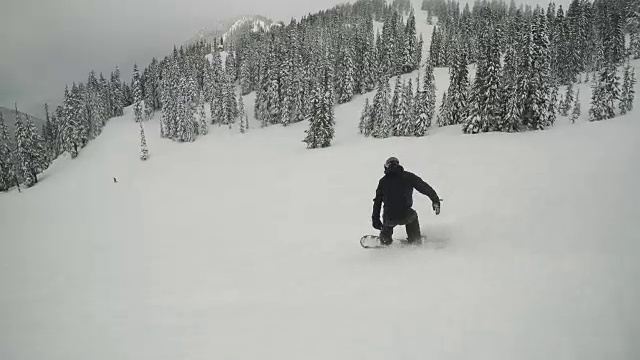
{"x":373,"y":242}
{"x":115,"y":180}
{"x":395,"y":190}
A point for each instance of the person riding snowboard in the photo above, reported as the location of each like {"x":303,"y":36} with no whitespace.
{"x":395,"y":190}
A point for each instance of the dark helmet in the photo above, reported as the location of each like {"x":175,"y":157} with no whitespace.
{"x":392,"y":161}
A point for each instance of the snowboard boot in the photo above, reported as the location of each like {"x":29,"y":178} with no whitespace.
{"x":386,"y":235}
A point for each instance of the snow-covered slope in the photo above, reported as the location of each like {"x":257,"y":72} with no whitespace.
{"x":245,"y":246}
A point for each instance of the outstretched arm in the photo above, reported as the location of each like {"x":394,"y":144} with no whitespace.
{"x":424,"y":189}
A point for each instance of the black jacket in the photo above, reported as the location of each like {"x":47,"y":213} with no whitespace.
{"x":395,"y":190}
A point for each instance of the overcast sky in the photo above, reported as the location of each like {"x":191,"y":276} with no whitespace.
{"x":45,"y":44}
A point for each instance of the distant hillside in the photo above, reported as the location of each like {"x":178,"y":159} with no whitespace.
{"x":10,"y":119}
{"x":231,"y":28}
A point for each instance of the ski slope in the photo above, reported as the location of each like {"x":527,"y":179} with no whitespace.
{"x":245,"y":246}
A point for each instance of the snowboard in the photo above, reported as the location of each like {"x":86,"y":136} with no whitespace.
{"x":373,"y":242}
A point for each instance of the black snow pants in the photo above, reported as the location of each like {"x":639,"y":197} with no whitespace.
{"x":410,"y":221}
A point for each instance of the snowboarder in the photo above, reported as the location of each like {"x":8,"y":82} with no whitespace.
{"x":395,"y":190}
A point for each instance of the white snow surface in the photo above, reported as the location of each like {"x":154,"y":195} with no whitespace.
{"x":245,"y":246}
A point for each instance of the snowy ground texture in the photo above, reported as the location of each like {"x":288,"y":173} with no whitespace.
{"x":246,"y":247}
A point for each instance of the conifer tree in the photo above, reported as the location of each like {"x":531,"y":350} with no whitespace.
{"x":202,"y":115}
{"x":512,"y":114}
{"x":536,"y":117}
{"x":575,"y":114}
{"x":628,"y":89}
{"x":24,"y":152}
{"x":346,"y":72}
{"x":117,"y":94}
{"x":410,"y":45}
{"x":321,"y":125}
{"x":552,"y":107}
{"x":241,"y":114}
{"x":398,"y":108}
{"x":366,"y":74}
{"x":420,"y":113}
{"x":429,"y":92}
{"x":417,"y":56}
{"x":633,"y":25}
{"x":230,"y":103}
{"x":137,"y":95}
{"x":485,"y":107}
{"x":568,"y":101}
{"x":457,"y":95}
{"x":380,"y":111}
{"x":443,"y":115}
{"x":410,"y":117}
{"x":608,"y":92}
{"x":6,"y":165}
{"x":144,"y":151}
{"x":365,"y":125}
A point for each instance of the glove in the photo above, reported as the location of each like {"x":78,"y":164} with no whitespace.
{"x":377,"y":224}
{"x":436,"y":208}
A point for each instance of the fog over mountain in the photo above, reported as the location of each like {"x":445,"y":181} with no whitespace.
{"x":46,"y":44}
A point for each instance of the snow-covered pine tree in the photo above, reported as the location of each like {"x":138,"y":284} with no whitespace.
{"x":230,"y":104}
{"x":633,"y":25}
{"x":512,"y":109}
{"x":575,"y":114}
{"x":241,"y":114}
{"x":47,"y":134}
{"x":69,"y":125}
{"x":82,"y":118}
{"x":245,"y":77}
{"x":410,"y":119}
{"x":272,"y":100}
{"x":512,"y":115}
{"x":230,"y":66}
{"x":137,"y":95}
{"x":295,"y":91}
{"x":435,"y":47}
{"x":144,"y":151}
{"x":410,"y":45}
{"x":429,"y":92}
{"x":443,"y":116}
{"x":345,"y":71}
{"x":203,"y":128}
{"x":568,"y":101}
{"x":321,"y":123}
{"x":608,"y":93}
{"x":243,"y":119}
{"x":417,"y":56}
{"x":485,"y":105}
{"x":186,"y":129}
{"x":366,"y":72}
{"x":6,"y":165}
{"x":457,"y":95}
{"x":537,"y":118}
{"x":24,"y":152}
{"x":596,"y":111}
{"x":628,"y":89}
{"x":117,"y":94}
{"x":397,"y":108}
{"x":380,"y":111}
{"x":420,"y":111}
{"x":552,"y":107}
{"x":219,"y":87}
{"x":364,"y":126}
